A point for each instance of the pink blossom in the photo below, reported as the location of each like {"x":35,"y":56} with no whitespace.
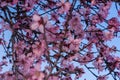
{"x":8,"y":75}
{"x":74,"y":22}
{"x":113,"y":22}
{"x":38,"y":75}
{"x":99,"y":64}
{"x":83,"y":60}
{"x":74,"y":44}
{"x":16,"y":26}
{"x":36,"y":17}
{"x":53,"y":78}
{"x":80,"y":73}
{"x":19,"y":47}
{"x":108,"y":35}
{"x":64,"y":63}
{"x":25,"y":61}
{"x":95,"y":19}
{"x":54,"y":17}
{"x":38,"y":48}
{"x":86,"y":58}
{"x":65,"y":6}
{"x":73,"y":57}
{"x":40,"y":23}
{"x":37,"y":66}
{"x":93,"y":2}
{"x":102,"y":78}
{"x":29,"y":4}
{"x":3,"y":4}
{"x":14,"y":2}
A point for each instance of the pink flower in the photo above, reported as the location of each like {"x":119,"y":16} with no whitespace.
{"x":38,"y":48}
{"x":53,"y":78}
{"x":65,"y":6}
{"x":108,"y":35}
{"x":19,"y":47}
{"x":36,"y":17}
{"x":28,"y":4}
{"x":74,"y":22}
{"x":9,"y":75}
{"x":14,"y":2}
{"x":40,"y":23}
{"x":113,"y":22}
{"x":83,"y":60}
{"x":102,"y":78}
{"x":93,"y":2}
{"x":24,"y":62}
{"x":73,"y":57}
{"x":16,"y":25}
{"x":37,"y":23}
{"x":80,"y":73}
{"x":95,"y":19}
{"x":86,"y":58}
{"x":54,"y":17}
{"x":74,"y":44}
{"x":3,"y":3}
{"x":64,"y":63}
{"x":99,"y":64}
{"x":90,"y":56}
{"x":38,"y":75}
{"x":37,"y":66}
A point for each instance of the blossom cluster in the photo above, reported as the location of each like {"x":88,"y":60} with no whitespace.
{"x":56,"y":39}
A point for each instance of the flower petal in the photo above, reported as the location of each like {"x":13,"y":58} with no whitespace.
{"x":36,"y":17}
{"x":41,"y":28}
{"x":34,"y":25}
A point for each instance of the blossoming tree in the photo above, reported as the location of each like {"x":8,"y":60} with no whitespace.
{"x":58,"y":39}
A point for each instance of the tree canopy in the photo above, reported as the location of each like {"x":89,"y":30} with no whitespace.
{"x":59,"y":39}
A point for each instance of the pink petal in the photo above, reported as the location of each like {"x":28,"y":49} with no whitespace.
{"x":41,"y":28}
{"x":36,"y":17}
{"x":34,"y":26}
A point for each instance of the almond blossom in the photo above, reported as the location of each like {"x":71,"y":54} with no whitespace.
{"x":99,"y":64}
{"x":39,"y":48}
{"x":53,"y":78}
{"x":102,"y":78}
{"x":74,"y":46}
{"x":114,"y":23}
{"x":64,"y":6}
{"x":75,"y":21}
{"x":38,"y":76}
{"x":39,"y":23}
{"x":108,"y":35}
